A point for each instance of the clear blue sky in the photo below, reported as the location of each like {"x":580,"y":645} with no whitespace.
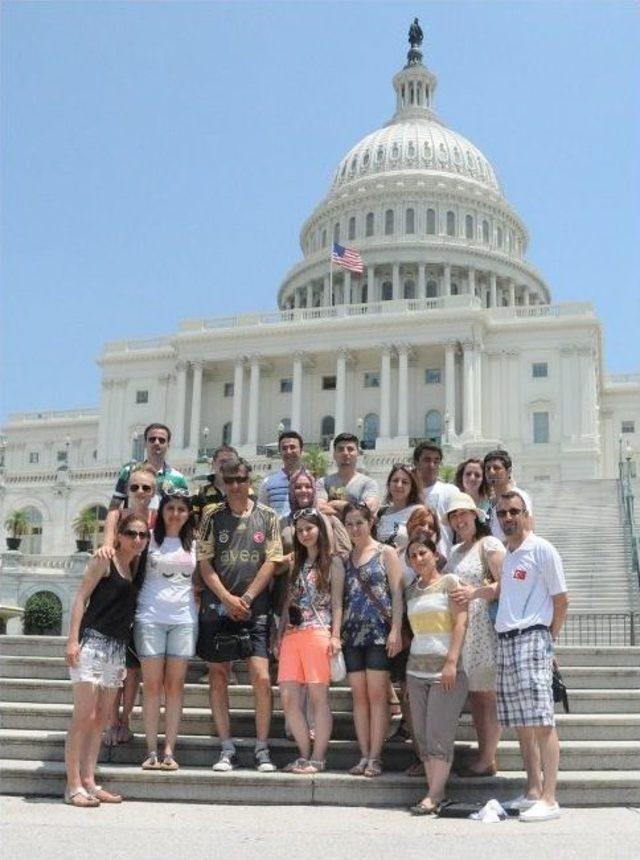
{"x":158,"y":159}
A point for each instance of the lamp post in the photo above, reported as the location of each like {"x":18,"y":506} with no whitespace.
{"x":134,"y":445}
{"x":205,"y":439}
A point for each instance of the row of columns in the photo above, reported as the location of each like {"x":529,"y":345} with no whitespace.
{"x":493,"y":291}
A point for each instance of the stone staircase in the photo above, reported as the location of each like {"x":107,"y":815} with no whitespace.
{"x":600,"y":762}
{"x":583,"y":521}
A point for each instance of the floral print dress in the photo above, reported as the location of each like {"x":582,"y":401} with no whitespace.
{"x":366,"y":618}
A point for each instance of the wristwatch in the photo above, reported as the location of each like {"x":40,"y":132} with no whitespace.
{"x":247,"y":598}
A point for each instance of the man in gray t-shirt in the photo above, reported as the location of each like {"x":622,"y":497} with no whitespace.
{"x":346,"y":486}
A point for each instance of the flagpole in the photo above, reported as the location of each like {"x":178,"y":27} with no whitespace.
{"x":331,"y":277}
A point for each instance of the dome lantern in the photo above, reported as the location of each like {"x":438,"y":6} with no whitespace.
{"x":415,"y":85}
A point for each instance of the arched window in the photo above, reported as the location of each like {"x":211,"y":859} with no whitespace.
{"x":409,"y":289}
{"x":432,"y":289}
{"x":410,"y":221}
{"x":364,"y":297}
{"x":226,"y":433}
{"x":431,"y":222}
{"x":387,"y":291}
{"x":327,"y":431}
{"x":336,"y":232}
{"x":32,"y":542}
{"x":433,"y":426}
{"x":455,"y":289}
{"x":369,"y":224}
{"x":388,"y":222}
{"x":370,"y":430}
{"x":485,"y":232}
{"x":352,"y":227}
{"x":451,"y":223}
{"x":468,"y":226}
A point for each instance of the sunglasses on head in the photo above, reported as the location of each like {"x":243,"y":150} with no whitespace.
{"x":235,"y":479}
{"x":171,"y":492}
{"x":304,"y":512}
{"x":146,"y":488}
{"x":134,"y":533}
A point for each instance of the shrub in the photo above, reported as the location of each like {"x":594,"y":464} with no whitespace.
{"x":42,"y":613}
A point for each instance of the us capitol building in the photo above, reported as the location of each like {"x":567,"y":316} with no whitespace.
{"x":449,"y":333}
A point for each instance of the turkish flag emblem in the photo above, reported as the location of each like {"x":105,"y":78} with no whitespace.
{"x":520,"y":574}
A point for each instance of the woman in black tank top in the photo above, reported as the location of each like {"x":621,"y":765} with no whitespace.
{"x":101,"y":619}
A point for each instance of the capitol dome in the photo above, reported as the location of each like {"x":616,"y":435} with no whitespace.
{"x":424,"y":209}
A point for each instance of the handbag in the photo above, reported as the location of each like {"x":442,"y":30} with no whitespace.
{"x":337,"y":666}
{"x":488,"y":579}
{"x":559,"y":688}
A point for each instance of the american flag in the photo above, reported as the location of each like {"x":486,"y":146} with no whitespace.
{"x":347,"y":258}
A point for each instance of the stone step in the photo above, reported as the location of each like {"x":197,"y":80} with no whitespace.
{"x":197,"y":751}
{"x":575,"y":788}
{"x":198,"y":721}
{"x":49,"y":691}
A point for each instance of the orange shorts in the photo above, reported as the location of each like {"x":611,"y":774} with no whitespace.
{"x":304,"y":657}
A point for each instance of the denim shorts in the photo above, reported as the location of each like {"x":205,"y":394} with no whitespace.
{"x":102,"y":661}
{"x":165,"y":640}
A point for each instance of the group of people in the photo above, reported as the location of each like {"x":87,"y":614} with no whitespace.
{"x":435,"y":594}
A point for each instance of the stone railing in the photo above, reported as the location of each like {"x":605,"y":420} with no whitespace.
{"x":138,"y":344}
{"x":527,"y":312}
{"x":52,"y":415}
{"x":622,"y":379}
{"x":50,"y":562}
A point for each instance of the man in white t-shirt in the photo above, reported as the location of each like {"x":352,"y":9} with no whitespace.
{"x":531,"y":612}
{"x":497,"y":476}
{"x":427,"y":459}
{"x":346,"y":486}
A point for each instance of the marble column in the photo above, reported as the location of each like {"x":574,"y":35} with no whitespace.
{"x":346,"y":288}
{"x":341,"y":390}
{"x":526,"y":295}
{"x":181,"y":396}
{"x":468,"y":392}
{"x":477,"y":388}
{"x":296,"y":298}
{"x":450,"y":385}
{"x":372,"y":289}
{"x":105,"y":418}
{"x":403,"y":391}
{"x":395,"y":279}
{"x":493,"y":286}
{"x":196,"y":404}
{"x":447,"y":279}
{"x":326,"y":291}
{"x":512,"y":292}
{"x":310,"y":295}
{"x":385,"y":392}
{"x":422,"y":281}
{"x":296,"y":393}
{"x":236,"y":419}
{"x":254,"y":397}
{"x":472,"y":281}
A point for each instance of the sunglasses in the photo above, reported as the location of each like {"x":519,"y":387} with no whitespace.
{"x":513,"y":512}
{"x":161,"y":439}
{"x":146,"y":488}
{"x":304,"y":512}
{"x":236,"y":479}
{"x":133,"y":533}
{"x":171,"y":492}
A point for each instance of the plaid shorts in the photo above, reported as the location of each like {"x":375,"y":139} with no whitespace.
{"x":525,"y":667}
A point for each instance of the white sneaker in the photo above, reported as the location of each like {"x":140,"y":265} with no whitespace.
{"x":521,"y":802}
{"x":263,"y":761}
{"x":540,"y":811}
{"x":228,"y":761}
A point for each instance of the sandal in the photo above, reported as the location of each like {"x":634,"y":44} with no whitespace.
{"x":295,"y":766}
{"x":373,"y":768}
{"x":416,"y":768}
{"x":81,"y":798}
{"x":151,"y":762}
{"x":425,"y":808}
{"x":359,"y":769}
{"x":309,"y":767}
{"x":169,"y":763}
{"x":103,"y":795}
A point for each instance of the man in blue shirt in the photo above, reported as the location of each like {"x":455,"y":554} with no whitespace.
{"x":274,"y":490}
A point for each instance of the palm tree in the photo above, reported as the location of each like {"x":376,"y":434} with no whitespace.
{"x":17,"y":525}
{"x":316,"y":461}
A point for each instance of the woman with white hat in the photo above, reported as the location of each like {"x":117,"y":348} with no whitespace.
{"x":477,"y":562}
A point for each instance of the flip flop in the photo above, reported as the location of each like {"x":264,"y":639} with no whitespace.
{"x":80,"y":798}
{"x":103,"y":795}
{"x":359,"y":769}
{"x":169,"y":763}
{"x":151,"y":762}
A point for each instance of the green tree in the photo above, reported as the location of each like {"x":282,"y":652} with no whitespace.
{"x":42,"y":614}
{"x":17,"y":523}
{"x":315,"y":460}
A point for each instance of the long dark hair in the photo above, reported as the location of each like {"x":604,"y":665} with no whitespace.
{"x":302,"y":472}
{"x":324,"y":557}
{"x":187,"y":532}
{"x":458,"y":480}
{"x":415,"y":493}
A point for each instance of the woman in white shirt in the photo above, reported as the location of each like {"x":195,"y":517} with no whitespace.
{"x":166,"y":623}
{"x":404,"y":494}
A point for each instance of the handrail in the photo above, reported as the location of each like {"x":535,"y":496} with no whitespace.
{"x":627,"y":502}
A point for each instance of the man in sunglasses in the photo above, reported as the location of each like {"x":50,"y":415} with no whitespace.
{"x":214,"y":491}
{"x":531,"y":611}
{"x":157,"y":438}
{"x":239,"y":549}
{"x":497,"y":475}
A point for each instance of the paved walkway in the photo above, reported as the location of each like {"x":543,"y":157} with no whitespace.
{"x":34,"y":828}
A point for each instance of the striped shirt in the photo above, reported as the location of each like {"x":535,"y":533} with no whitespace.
{"x":274,"y":493}
{"x":431,"y":621}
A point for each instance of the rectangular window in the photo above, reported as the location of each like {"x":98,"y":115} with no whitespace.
{"x":328,"y":383}
{"x":142,"y":396}
{"x":34,"y":457}
{"x":540,"y":428}
{"x":228,"y":389}
{"x":539,"y":370}
{"x":371,"y":379}
{"x":286,"y":386}
{"x":432,"y":376}
{"x":628,"y":427}
{"x":61,"y":457}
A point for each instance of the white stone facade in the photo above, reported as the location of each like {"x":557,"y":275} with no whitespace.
{"x":449,"y":333}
